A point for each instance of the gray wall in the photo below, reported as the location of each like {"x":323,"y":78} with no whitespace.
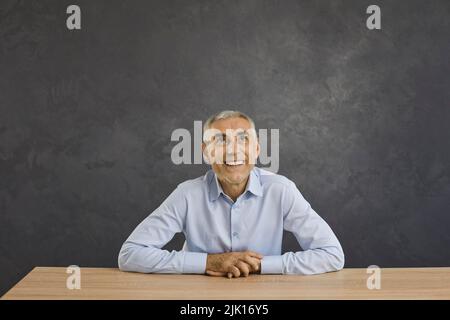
{"x":86,"y":118}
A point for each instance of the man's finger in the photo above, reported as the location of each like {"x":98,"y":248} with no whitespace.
{"x":253,"y":262}
{"x":254,"y":254}
{"x":215,"y":273}
{"x":235,"y":271}
{"x":243,"y":268}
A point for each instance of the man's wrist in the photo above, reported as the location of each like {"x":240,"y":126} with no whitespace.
{"x":209,"y":262}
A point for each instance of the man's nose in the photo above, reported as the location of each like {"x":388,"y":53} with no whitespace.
{"x":234,"y":150}
{"x":232,"y":147}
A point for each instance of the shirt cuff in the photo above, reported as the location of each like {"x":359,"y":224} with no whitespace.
{"x":194,"y":262}
{"x":272,"y":264}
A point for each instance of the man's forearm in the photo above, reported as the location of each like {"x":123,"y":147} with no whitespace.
{"x":313,"y":261}
{"x":138,"y":258}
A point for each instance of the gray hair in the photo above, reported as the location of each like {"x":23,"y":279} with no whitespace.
{"x":226,"y":114}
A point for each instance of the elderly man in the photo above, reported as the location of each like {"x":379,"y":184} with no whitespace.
{"x":233,"y":217}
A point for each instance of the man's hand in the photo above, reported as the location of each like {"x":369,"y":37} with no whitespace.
{"x":233,"y":264}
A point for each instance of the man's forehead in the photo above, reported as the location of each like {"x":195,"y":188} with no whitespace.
{"x":237,"y":124}
{"x":232,"y":132}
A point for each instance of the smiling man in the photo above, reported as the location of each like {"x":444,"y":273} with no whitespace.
{"x":233,"y":217}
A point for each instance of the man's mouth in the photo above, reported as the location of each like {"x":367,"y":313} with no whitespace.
{"x":234,"y":163}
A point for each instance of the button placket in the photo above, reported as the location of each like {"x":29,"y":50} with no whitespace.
{"x":235,"y":226}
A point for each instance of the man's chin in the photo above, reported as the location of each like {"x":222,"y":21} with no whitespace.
{"x":233,"y":175}
{"x":234,"y":180}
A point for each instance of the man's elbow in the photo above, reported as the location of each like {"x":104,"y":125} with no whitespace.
{"x":121,"y":262}
{"x":338,"y":260}
{"x":123,"y":259}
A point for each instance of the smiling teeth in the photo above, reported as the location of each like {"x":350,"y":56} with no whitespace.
{"x":236,"y":163}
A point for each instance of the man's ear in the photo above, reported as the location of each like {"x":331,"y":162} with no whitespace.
{"x":258,"y":149}
{"x":254,"y":147}
{"x":205,"y":155}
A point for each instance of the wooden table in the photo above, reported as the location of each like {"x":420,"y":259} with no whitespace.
{"x":102,"y":283}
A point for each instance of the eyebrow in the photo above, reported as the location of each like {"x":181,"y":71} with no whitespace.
{"x":223,"y":135}
{"x":220,"y":135}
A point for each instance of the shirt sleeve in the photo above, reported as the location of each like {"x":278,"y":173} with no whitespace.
{"x":142,"y":252}
{"x":322,"y":251}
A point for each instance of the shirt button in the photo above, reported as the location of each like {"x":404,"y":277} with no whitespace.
{"x":235,"y":234}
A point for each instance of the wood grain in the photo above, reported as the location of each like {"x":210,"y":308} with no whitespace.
{"x":104,"y":283}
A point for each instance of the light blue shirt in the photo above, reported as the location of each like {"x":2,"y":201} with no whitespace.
{"x":213,"y":223}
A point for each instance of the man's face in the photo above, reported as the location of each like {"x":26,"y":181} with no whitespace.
{"x":232,"y":148}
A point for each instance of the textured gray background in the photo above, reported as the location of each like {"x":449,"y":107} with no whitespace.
{"x":86,"y":118}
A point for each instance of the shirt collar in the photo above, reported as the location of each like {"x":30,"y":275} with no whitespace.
{"x":253,"y":185}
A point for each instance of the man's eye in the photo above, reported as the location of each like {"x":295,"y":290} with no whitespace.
{"x":243,"y":137}
{"x":219,"y":139}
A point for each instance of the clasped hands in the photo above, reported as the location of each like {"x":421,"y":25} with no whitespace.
{"x":233,"y":264}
